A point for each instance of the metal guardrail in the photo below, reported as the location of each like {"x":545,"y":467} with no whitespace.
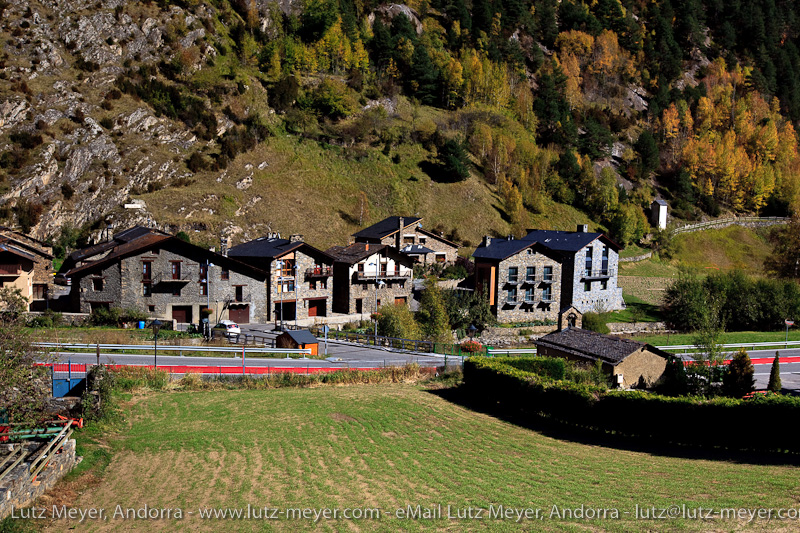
{"x":185,"y":348}
{"x":686,"y":347}
{"x":520,"y":351}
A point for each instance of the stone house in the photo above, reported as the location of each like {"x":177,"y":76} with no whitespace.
{"x":167,"y":278}
{"x":631,"y":364}
{"x":406,"y":235}
{"x":590,"y":266}
{"x":300,"y":282}
{"x":366,"y":275}
{"x":26,"y":264}
{"x":521,"y":279}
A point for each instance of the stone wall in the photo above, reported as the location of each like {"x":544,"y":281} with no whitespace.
{"x":322,"y":286}
{"x":530,"y":310}
{"x":18,"y":489}
{"x":413,"y":235}
{"x":639,"y":327}
{"x":597,"y":298}
{"x":636,"y":259}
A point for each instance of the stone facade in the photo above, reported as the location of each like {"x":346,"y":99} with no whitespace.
{"x":592,"y":289}
{"x":166,"y":282}
{"x":444,"y":251}
{"x":355,"y":291}
{"x":641,"y":369}
{"x":305,"y":291}
{"x":517,"y":294}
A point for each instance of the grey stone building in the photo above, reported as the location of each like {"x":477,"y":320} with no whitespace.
{"x":590,"y":266}
{"x":366,"y":276}
{"x":406,"y":235}
{"x":165,"y":277}
{"x":586,"y":272}
{"x":300,"y":283}
{"x":521,"y":279}
{"x":629,"y":363}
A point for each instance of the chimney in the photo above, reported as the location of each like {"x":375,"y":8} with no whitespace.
{"x":224,"y":243}
{"x":487,"y":241}
{"x":296,"y":238}
{"x":583,"y":228}
{"x":366,"y":247}
{"x":400,"y":234}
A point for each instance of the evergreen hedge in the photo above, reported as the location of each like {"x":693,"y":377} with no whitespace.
{"x":761,"y":423}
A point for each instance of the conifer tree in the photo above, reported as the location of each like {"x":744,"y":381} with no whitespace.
{"x":775,"y":375}
{"x":739,"y":380}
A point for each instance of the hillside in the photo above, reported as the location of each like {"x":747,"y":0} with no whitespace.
{"x":246,"y":116}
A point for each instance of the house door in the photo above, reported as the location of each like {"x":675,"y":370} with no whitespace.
{"x":240,"y":314}
{"x":398,"y":300}
{"x":182,"y":314}
{"x":316,"y":308}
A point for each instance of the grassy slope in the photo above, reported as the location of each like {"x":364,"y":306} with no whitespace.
{"x":728,"y":337}
{"x":388,"y":447}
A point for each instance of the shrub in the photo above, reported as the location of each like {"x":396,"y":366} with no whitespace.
{"x":471,"y":346}
{"x":739,"y":380}
{"x":115,"y":316}
{"x":595,"y":322}
{"x":48,"y":319}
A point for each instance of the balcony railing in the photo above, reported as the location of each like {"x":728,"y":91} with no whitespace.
{"x":596,"y":273}
{"x":243,"y":299}
{"x":514,"y":280}
{"x":542,"y":278}
{"x":319,"y":272}
{"x":167,"y":278}
{"x":383,"y":274}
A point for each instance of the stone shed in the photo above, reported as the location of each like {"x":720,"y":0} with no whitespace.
{"x":631,"y":364}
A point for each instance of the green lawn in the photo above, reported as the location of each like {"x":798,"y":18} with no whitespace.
{"x":637,"y":311}
{"x":730,"y":337}
{"x":393,"y":446}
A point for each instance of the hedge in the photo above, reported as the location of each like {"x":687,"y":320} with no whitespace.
{"x":761,"y":423}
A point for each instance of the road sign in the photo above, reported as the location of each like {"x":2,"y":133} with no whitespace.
{"x":789,"y":322}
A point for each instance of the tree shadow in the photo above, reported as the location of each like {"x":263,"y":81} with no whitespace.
{"x":460,"y":396}
{"x":350,"y":219}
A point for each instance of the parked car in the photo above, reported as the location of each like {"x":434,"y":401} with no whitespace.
{"x":228,"y":328}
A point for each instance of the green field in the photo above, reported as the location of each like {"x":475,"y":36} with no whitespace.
{"x":393,"y":446}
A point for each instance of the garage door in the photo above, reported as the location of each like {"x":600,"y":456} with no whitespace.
{"x":182,"y":314}
{"x":317,"y":308}
{"x":240,"y":314}
{"x":400,"y":300}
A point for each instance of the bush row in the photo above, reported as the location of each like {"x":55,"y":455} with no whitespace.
{"x":719,"y":422}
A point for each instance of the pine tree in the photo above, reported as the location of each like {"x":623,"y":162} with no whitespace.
{"x":775,"y":375}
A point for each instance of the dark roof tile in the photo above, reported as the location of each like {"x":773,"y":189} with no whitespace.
{"x":593,"y":346}
{"x":385,"y":227}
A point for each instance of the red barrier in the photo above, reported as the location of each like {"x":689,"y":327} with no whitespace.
{"x":758,"y":360}
{"x":183,"y":369}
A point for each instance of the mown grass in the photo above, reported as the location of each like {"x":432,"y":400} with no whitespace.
{"x":734,"y":247}
{"x":728,"y":337}
{"x":637,"y":311}
{"x":390,"y":446}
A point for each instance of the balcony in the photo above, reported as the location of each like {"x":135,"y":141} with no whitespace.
{"x":10,"y":270}
{"x":383,"y":275}
{"x":596,"y":273}
{"x":319,"y":272}
{"x":167,"y":278}
{"x":542,"y":278}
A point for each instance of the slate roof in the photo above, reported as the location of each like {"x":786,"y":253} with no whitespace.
{"x":660,"y":202}
{"x":415,"y":249}
{"x":6,"y":246}
{"x":385,"y":227}
{"x":593,"y":346}
{"x":501,"y":248}
{"x":566,"y":241}
{"x":354,"y":253}
{"x":301,"y":336}
{"x":269,"y":247}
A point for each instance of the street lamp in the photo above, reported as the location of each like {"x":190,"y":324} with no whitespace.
{"x":472,"y":330}
{"x":279,"y":289}
{"x":156,"y":325}
{"x":296,"y":307}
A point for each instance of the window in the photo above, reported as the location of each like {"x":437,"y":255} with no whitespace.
{"x":312,"y":285}
{"x":176,"y":291}
{"x":97,"y":284}
{"x":40,"y":291}
{"x":359,"y":305}
{"x":151,"y":308}
{"x":176,"y":270}
{"x":511,"y":296}
{"x":361,"y":268}
{"x":147,"y":270}
{"x":224,"y":274}
{"x":203,"y":272}
{"x":286,"y":285}
{"x":440,"y":258}
{"x":547,"y":293}
{"x":588,"y":265}
{"x":323,"y":283}
{"x":147,"y":288}
{"x":604,"y":285}
{"x":287,"y":270}
{"x":604,"y":267}
{"x":529,"y":294}
{"x":512,"y":274}
{"x":239,"y":293}
{"x":203,"y":289}
{"x":587,"y":286}
{"x":408,"y":239}
{"x":548,"y":273}
{"x":423,"y":240}
{"x":530,"y":273}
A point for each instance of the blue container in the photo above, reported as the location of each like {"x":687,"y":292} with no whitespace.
{"x":141,"y":324}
